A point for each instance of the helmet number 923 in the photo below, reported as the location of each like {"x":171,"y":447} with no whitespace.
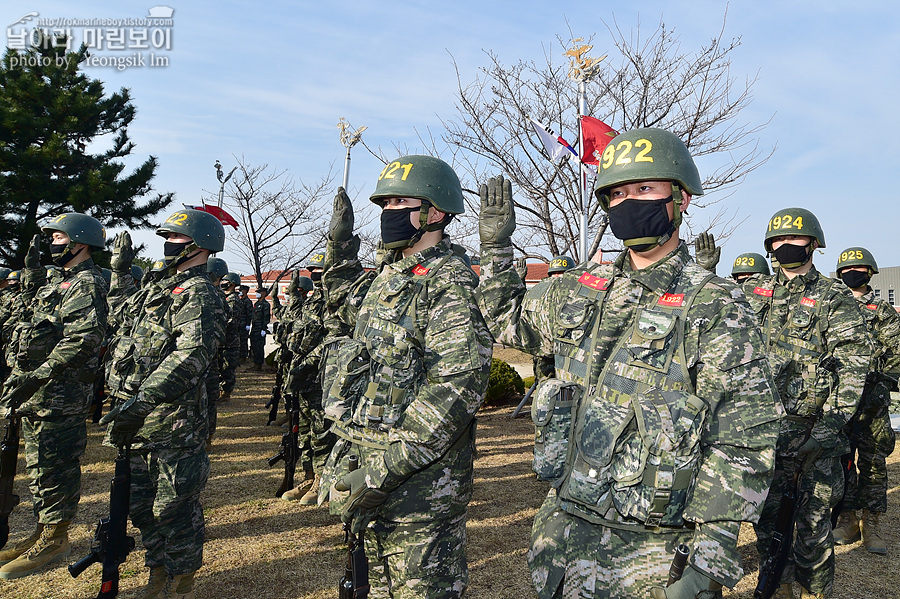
{"x":390,"y":169}
{"x":745,"y":261}
{"x":624,"y":148}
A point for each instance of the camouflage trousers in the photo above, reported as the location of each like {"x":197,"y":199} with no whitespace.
{"x":871,"y":435}
{"x":314,"y":438}
{"x":416,"y":545}
{"x":571,"y":558}
{"x":257,"y":347}
{"x":165,"y":506}
{"x":53,"y":450}
{"x":231,"y":357}
{"x":811,"y":562}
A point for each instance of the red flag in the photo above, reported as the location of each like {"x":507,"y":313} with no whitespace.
{"x":597,"y":136}
{"x":219,"y":213}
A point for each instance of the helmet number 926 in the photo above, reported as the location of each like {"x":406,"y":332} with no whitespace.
{"x":388,"y":171}
{"x":177,"y":219}
{"x":785,"y":222}
{"x":745,"y":261}
{"x":852,"y":255}
{"x":624,"y":148}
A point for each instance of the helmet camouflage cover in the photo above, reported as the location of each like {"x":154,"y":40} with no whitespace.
{"x":793,"y":221}
{"x":750,"y":263}
{"x":560,"y":264}
{"x":856,"y":256}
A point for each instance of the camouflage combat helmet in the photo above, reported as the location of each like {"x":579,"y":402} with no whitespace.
{"x":857,"y":256}
{"x":423,"y":177}
{"x":750,"y":263}
{"x":80,"y":228}
{"x":648,"y":154}
{"x":137,"y":273}
{"x":216,"y":268}
{"x":305,"y":283}
{"x":203,"y":228}
{"x":793,"y":221}
{"x":232,"y":278}
{"x":4,"y":272}
{"x":316,"y":260}
{"x":560,"y":264}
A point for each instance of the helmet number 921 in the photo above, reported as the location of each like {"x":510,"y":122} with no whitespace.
{"x":390,"y":169}
{"x":852,"y":255}
{"x":624,"y":148}
{"x":785,"y":222}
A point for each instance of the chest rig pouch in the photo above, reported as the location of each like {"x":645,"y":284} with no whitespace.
{"x":638,"y":430}
{"x":38,"y":336}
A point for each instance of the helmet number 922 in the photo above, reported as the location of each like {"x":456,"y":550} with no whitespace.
{"x":390,"y":169}
{"x":785,"y":222}
{"x":624,"y":148}
{"x":852,"y":255}
{"x":177,"y":219}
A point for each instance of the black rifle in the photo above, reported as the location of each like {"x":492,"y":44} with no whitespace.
{"x":9,"y":455}
{"x":678,"y":564}
{"x":783,"y":535}
{"x":355,"y":581}
{"x":111,"y":544}
{"x":289,"y":452}
{"x":276,"y":396}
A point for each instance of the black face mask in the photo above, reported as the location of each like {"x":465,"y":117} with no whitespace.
{"x":315,"y":276}
{"x":395,"y":225}
{"x":792,"y":256}
{"x":643,"y":221}
{"x":60,"y":255}
{"x":854,"y":278}
{"x":172,"y":250}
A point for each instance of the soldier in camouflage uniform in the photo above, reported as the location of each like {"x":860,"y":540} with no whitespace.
{"x":170,"y":332}
{"x":56,"y":360}
{"x":409,"y":383}
{"x":306,"y":343}
{"x":544,"y":366}
{"x":660,"y":426}
{"x":819,"y":349}
{"x":747,"y":265}
{"x":259,"y":327}
{"x":246,"y":313}
{"x":231,"y":354}
{"x":286,"y":316}
{"x":869,"y":431}
{"x":216,"y":268}
{"x":7,"y":294}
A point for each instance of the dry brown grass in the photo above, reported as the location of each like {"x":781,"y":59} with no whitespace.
{"x":260,"y":546}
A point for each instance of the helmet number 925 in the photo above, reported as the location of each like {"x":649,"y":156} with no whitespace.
{"x":178,"y":218}
{"x":388,"y":171}
{"x":624,"y":148}
{"x":785,"y":222}
{"x":852,"y":255}
{"x":745,"y":261}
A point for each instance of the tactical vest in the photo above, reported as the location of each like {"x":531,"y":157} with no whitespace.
{"x":804,"y":376}
{"x":380,"y":369}
{"x":621,"y":441}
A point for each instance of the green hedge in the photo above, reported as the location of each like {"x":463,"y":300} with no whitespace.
{"x":504,"y":383}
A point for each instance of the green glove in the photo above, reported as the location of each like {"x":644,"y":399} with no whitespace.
{"x":693,"y":584}
{"x":497,"y":219}
{"x":19,"y":389}
{"x":808,"y":453}
{"x":364,"y":500}
{"x":522,"y":267}
{"x":341,"y":227}
{"x":126,"y":419}
{"x":33,"y":257}
{"x":705,"y":251}
{"x":122,"y":253}
{"x":294,"y":284}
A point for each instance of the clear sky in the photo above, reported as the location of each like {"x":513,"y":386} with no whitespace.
{"x":269,"y":81}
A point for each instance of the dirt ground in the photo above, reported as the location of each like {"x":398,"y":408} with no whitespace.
{"x":259,"y":546}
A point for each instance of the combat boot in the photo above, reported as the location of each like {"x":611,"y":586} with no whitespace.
{"x":52,"y":545}
{"x":155,"y":584}
{"x":312,"y":496}
{"x":297,"y":493}
{"x":804,"y":594}
{"x":847,"y":529}
{"x":180,"y":586}
{"x":871,"y":533}
{"x":784,"y":591}
{"x":11,"y":553}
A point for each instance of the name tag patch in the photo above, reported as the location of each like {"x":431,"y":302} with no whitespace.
{"x":177,"y":290}
{"x":420,"y":270}
{"x":671,"y":299}
{"x":809,"y":303}
{"x":65,"y":284}
{"x":589,"y":280}
{"x":764,"y":292}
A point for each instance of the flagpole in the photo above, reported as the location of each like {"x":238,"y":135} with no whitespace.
{"x":348,"y":140}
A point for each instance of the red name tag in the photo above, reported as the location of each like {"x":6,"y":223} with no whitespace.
{"x":671,"y":299}
{"x":589,"y":280}
{"x":809,"y":303}
{"x":872,"y":306}
{"x":177,"y":290}
{"x":764,"y":292}
{"x":420,"y":270}
{"x":65,"y":285}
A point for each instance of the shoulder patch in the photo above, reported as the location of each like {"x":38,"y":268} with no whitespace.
{"x":764,"y":292}
{"x":671,"y":299}
{"x":420,"y":270}
{"x":177,"y":291}
{"x":589,"y":280}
